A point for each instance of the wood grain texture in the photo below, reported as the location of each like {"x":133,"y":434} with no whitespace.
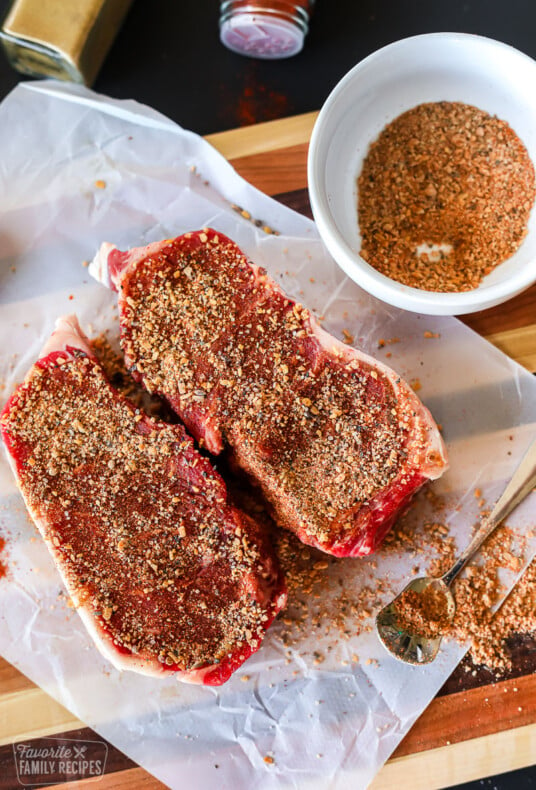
{"x":32,"y":713}
{"x":520,"y":344}
{"x":11,"y":680}
{"x":468,"y":760}
{"x":268,"y":171}
{"x":281,"y":171}
{"x":458,"y":717}
{"x":513,"y":314}
{"x":263,"y":138}
{"x":426,"y":770}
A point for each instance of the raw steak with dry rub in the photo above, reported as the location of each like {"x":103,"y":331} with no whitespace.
{"x":166,"y":574}
{"x":337,"y":441}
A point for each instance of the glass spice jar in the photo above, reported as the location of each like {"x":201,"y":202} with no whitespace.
{"x":267,"y":29}
{"x":65,"y":39}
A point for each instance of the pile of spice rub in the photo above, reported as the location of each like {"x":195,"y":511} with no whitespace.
{"x":444,"y":196}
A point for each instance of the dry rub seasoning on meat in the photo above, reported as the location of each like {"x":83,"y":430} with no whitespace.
{"x":445,"y":195}
{"x":337,"y":442}
{"x":166,"y":574}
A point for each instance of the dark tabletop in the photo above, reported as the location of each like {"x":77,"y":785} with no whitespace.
{"x":168,"y":55}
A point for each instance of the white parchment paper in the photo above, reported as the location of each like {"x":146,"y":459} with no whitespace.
{"x":328,"y":725}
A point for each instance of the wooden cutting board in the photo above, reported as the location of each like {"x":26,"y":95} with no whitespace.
{"x":476,"y":726}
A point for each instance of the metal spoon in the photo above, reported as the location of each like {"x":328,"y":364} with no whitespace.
{"x":418,"y":649}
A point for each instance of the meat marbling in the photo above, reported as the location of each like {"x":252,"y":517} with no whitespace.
{"x":167,"y":576}
{"x":338,"y":443}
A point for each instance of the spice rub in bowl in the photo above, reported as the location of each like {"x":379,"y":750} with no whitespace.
{"x":450,"y":71}
{"x":445,"y":194}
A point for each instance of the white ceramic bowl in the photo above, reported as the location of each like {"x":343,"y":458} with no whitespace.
{"x":435,"y":67}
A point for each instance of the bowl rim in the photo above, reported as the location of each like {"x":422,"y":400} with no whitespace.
{"x":365,"y":275}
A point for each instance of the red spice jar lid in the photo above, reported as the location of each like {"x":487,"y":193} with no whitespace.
{"x":262,"y":35}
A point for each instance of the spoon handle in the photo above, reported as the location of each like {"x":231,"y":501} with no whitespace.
{"x":521,"y":484}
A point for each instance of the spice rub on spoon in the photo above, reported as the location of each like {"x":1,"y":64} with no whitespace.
{"x":412,"y":625}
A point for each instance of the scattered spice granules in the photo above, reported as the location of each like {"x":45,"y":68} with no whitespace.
{"x":478,"y":591}
{"x":319,"y":600}
{"x":445,"y":193}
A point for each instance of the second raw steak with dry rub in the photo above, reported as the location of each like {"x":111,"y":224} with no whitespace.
{"x":336,"y":440}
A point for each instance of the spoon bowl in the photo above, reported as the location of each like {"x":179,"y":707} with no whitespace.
{"x":406,"y":641}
